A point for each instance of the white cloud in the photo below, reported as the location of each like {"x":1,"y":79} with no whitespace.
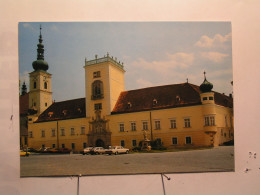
{"x":24,"y":77}
{"x":214,"y":56}
{"x":173,"y":61}
{"x":215,"y":42}
{"x":143,"y":83}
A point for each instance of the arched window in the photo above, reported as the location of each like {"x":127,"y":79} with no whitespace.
{"x":34,"y":84}
{"x":45,"y":85}
{"x":97,"y":90}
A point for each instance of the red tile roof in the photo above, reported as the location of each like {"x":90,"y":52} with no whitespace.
{"x":24,"y":104}
{"x":161,"y":97}
{"x":69,"y":109}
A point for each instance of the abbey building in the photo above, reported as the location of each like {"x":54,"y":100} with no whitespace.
{"x":177,"y":115}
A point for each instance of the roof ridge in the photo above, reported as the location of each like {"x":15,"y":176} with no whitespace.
{"x":154,"y":87}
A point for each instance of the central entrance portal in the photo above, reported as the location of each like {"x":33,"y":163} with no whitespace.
{"x":100,"y":143}
{"x":99,"y":134}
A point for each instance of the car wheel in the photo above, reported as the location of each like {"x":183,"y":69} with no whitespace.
{"x":116,"y":153}
{"x":127,"y":151}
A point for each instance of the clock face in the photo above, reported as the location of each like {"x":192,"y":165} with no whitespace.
{"x":44,"y":78}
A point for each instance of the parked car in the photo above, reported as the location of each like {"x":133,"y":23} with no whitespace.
{"x":86,"y":150}
{"x":43,"y":150}
{"x":64,"y":150}
{"x":97,"y":150}
{"x":23,"y":153}
{"x":27,"y":149}
{"x":53,"y":150}
{"x":117,"y":150}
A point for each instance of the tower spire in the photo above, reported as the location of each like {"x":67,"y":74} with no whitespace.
{"x":40,"y":64}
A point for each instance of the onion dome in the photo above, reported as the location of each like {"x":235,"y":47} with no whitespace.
{"x":206,"y":86}
{"x":40,"y":64}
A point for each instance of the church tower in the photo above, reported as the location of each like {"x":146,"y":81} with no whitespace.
{"x":104,"y":81}
{"x":40,"y":95}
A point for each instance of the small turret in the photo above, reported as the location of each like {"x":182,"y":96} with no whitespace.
{"x":24,"y":89}
{"x":206,"y":86}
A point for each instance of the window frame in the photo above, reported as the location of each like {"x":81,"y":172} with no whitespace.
{"x":53,"y":132}
{"x":43,"y":133}
{"x":187,"y":122}
{"x":62,"y":131}
{"x":133,"y":126}
{"x":186,"y":140}
{"x":121,"y":127}
{"x":72,"y":131}
{"x":157,"y":124}
{"x":176,"y":141}
{"x":173,"y":125}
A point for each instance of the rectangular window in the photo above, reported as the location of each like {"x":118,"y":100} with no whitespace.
{"x":73,"y":146}
{"x":72,"y":131}
{"x":53,"y":132}
{"x":187,"y":122}
{"x":134,"y":142}
{"x":53,"y":145}
{"x":30,"y":134}
{"x":43,"y":145}
{"x":84,"y":145}
{"x":209,"y":120}
{"x":96,"y":74}
{"x":173,"y":123}
{"x":188,"y":140}
{"x":174,"y":141}
{"x":82,"y":130}
{"x":145,"y":125}
{"x":133,"y":126}
{"x":62,"y":132}
{"x":226,"y":122}
{"x":205,"y":98}
{"x":122,"y":142}
{"x":157,"y":124}
{"x":63,"y":145}
{"x":43,"y":133}
{"x":98,"y":106}
{"x":121,"y":127}
{"x":211,"y":98}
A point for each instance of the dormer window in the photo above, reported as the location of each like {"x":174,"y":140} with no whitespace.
{"x":155,"y":102}
{"x":50,"y":114}
{"x":64,"y":112}
{"x":129,"y":105}
{"x":178,"y":99}
{"x":211,"y":98}
{"x":205,"y":98}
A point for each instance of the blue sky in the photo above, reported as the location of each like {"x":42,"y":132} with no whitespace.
{"x":153,"y":53}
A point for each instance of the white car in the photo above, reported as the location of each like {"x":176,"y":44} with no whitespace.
{"x":86,"y":150}
{"x":117,"y":150}
{"x":98,"y":150}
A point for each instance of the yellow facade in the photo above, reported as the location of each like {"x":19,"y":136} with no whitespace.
{"x":207,"y":124}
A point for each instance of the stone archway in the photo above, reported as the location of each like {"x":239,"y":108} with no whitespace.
{"x":100,"y":143}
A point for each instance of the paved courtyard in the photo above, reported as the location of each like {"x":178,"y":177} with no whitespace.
{"x":216,"y":159}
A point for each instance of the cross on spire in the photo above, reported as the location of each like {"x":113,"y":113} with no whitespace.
{"x":204,"y":74}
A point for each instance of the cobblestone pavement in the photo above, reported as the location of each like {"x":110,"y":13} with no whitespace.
{"x":216,"y":159}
